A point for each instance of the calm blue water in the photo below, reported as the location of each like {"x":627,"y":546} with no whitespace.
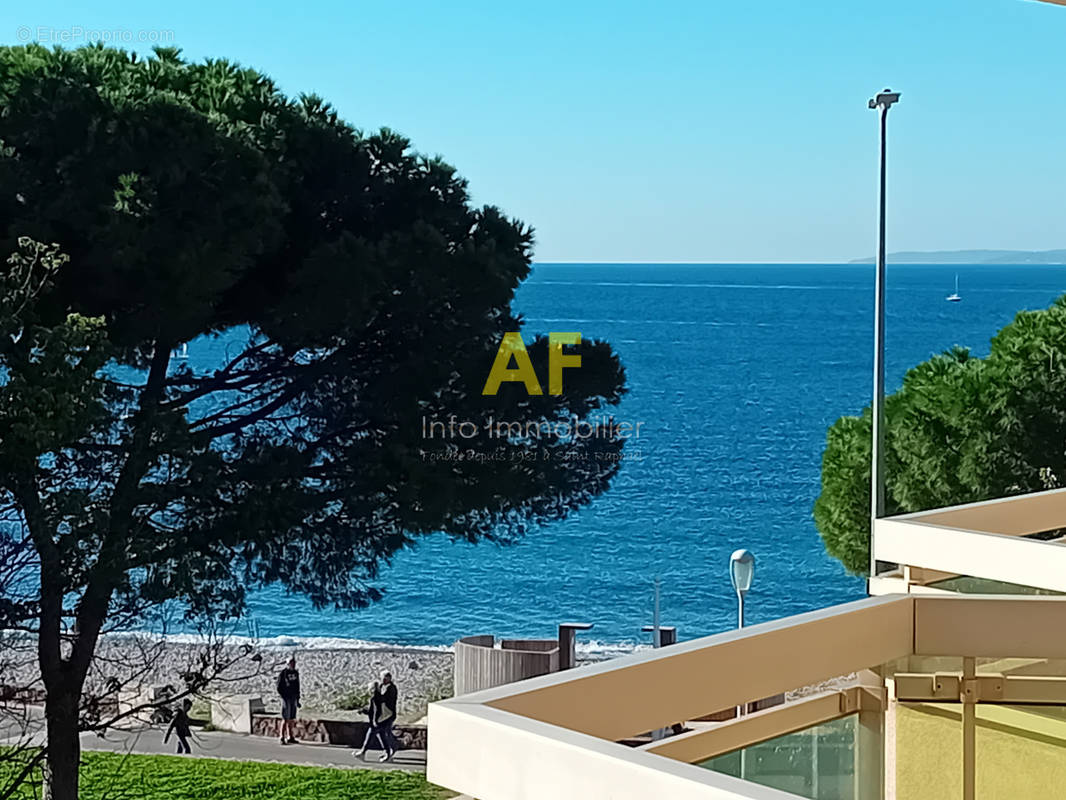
{"x":736,"y":371}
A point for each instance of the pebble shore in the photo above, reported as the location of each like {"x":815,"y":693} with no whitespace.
{"x":330,"y":678}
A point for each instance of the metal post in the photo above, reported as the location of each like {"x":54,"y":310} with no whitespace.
{"x":883,"y":102}
{"x":657,"y":641}
{"x":741,"y":575}
{"x":877,"y":497}
{"x":656,"y":636}
{"x":814,"y":763}
{"x":666,"y":635}
{"x":741,"y":709}
{"x":969,"y":730}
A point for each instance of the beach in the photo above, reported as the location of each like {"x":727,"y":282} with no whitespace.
{"x":333,"y":679}
{"x":334,"y":674}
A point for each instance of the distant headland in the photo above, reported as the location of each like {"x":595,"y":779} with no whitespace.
{"x":973,"y":257}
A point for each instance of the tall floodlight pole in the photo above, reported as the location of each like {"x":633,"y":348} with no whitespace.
{"x":882,"y":102}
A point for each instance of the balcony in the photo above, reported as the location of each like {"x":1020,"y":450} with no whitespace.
{"x":1012,"y":545}
{"x":907,"y":697}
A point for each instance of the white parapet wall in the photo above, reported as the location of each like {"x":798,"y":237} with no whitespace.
{"x":233,"y":712}
{"x":136,"y":704}
{"x":564,"y":736}
{"x":1005,"y":557}
{"x":561,"y":735}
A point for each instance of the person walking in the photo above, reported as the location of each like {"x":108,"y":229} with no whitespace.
{"x":388,"y":694}
{"x":373,"y":712}
{"x":289,"y":690}
{"x":179,"y":726}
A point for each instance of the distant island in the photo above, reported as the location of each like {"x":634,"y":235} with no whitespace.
{"x":973,"y":257}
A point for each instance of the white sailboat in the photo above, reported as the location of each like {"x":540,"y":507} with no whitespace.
{"x":955,"y":297}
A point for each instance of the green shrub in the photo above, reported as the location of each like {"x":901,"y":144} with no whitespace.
{"x":354,"y":699}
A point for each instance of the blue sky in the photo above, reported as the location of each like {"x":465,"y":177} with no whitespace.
{"x":678,"y":131}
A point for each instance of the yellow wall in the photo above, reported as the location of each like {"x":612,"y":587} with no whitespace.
{"x":1021,"y":752}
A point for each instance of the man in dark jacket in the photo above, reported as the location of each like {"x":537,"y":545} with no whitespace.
{"x":289,"y":689}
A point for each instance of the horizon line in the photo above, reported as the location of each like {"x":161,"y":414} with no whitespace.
{"x":854,"y":263}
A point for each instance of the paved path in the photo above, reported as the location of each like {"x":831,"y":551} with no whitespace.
{"x":26,"y":728}
{"x":18,"y":721}
{"x":238,"y":747}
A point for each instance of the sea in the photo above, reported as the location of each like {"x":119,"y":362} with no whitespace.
{"x":736,"y":371}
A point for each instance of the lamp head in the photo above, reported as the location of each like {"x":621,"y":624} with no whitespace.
{"x":885,"y":100}
{"x":742,"y":570}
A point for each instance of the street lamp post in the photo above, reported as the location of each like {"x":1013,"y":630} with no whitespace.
{"x":882,"y":102}
{"x":741,"y":573}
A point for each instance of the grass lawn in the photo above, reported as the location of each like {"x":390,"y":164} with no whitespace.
{"x":110,"y":776}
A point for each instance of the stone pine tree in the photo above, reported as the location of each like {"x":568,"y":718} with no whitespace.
{"x":960,"y":429}
{"x":348,"y":292}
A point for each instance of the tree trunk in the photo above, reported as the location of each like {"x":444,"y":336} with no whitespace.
{"x":64,"y":744}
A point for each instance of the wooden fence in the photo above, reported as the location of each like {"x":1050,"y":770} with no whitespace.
{"x":479,"y":664}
